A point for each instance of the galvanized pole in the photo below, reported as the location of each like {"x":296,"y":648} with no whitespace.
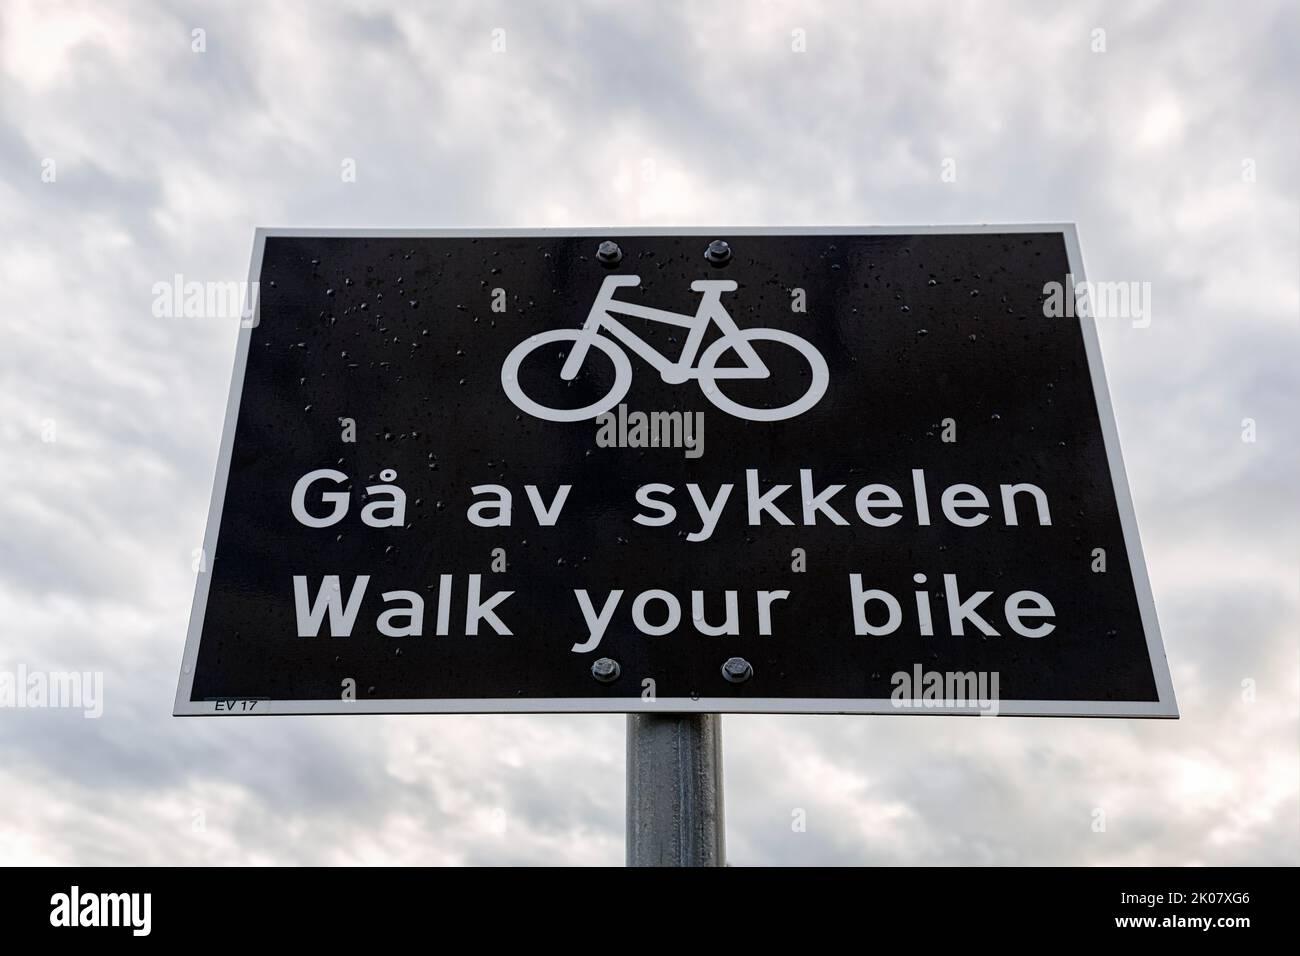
{"x":674,"y":790}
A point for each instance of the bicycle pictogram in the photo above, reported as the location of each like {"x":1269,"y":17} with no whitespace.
{"x":706,"y":371}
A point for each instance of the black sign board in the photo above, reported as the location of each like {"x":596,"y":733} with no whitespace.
{"x":814,"y":471}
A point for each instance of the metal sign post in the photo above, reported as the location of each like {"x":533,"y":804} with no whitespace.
{"x":674,"y":790}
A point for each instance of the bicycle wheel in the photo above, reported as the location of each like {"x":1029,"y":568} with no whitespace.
{"x":513,"y":390}
{"x":816,"y":389}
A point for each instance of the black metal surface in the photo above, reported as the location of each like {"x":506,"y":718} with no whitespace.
{"x":399,"y":335}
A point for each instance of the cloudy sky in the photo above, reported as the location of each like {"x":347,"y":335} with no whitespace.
{"x":126,"y":156}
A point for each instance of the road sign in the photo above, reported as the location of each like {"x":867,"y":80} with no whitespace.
{"x":819,"y":471}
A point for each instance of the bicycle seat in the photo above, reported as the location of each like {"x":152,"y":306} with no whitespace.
{"x":714,"y":285}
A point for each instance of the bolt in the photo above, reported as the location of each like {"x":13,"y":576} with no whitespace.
{"x":606,"y":670}
{"x":737,"y":670}
{"x":718,"y":253}
{"x":609,"y":254}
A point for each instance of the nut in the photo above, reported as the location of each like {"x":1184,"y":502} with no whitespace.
{"x":608,"y":253}
{"x":606,"y":670}
{"x":718,"y":253}
{"x":737,"y":670}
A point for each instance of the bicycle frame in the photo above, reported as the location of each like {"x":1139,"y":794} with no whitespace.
{"x":710,"y":309}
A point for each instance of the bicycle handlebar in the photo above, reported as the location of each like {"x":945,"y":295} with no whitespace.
{"x":709,"y":285}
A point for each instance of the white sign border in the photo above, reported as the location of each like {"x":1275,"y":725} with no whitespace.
{"x":1166,"y":706}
